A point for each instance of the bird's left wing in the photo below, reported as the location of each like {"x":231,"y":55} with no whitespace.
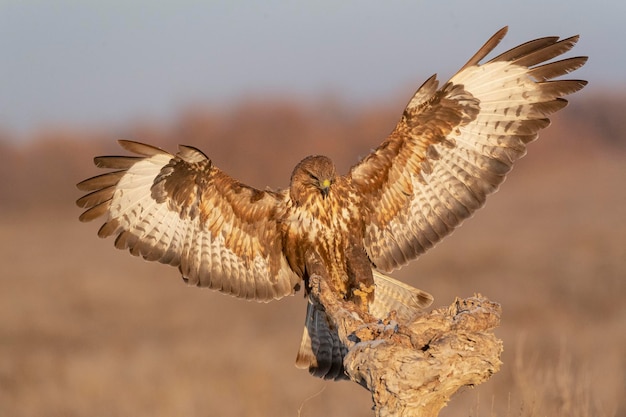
{"x":183,"y":211}
{"x":454,"y":145}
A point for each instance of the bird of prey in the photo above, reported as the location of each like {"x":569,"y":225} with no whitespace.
{"x":452,"y":146}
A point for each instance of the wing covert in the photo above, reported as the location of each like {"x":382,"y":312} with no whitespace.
{"x":454,"y":145}
{"x":183,"y":211}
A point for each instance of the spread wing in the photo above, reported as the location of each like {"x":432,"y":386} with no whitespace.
{"x":454,"y":145}
{"x":183,"y":211}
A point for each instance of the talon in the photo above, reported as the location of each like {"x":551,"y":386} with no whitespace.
{"x":364,"y":293}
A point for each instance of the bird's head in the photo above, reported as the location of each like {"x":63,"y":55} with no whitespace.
{"x":314,"y":175}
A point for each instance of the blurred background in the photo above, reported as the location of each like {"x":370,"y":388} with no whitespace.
{"x":89,"y":330}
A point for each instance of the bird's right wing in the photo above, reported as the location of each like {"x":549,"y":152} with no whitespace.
{"x":183,"y":211}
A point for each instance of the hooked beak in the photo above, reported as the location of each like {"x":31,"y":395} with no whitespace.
{"x":325,"y":188}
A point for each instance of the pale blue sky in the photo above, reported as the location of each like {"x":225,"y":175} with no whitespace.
{"x":94,"y":63}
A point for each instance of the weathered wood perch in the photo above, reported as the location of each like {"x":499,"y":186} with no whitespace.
{"x":412,"y":369}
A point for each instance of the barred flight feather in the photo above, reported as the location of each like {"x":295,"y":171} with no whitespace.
{"x":160,"y":220}
{"x":489,"y":111}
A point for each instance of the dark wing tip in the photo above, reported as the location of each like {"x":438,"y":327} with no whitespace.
{"x":100,"y":181}
{"x":95,"y":212}
{"x":489,"y":46}
{"x":191,"y":154}
{"x":139,"y":148}
{"x":116,"y":162}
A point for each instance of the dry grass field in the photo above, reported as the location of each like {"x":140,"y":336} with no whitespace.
{"x":87,"y":330}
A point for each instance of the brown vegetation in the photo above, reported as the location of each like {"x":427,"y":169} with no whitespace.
{"x":86,"y":330}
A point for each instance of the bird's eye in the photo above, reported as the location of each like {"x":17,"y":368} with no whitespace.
{"x":313,"y":177}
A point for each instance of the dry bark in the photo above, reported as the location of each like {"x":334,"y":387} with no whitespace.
{"x":412,"y":369}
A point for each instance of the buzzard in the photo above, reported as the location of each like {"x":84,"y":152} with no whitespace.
{"x":452,"y":147}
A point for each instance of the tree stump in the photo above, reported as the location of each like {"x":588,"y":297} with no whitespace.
{"x":412,"y":369}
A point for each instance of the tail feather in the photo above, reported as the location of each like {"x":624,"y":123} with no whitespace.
{"x":393,"y":295}
{"x":321,"y":350}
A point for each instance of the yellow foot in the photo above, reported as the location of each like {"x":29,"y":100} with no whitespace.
{"x":364,"y":294}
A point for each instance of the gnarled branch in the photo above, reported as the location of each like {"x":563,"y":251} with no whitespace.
{"x":412,"y":369}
